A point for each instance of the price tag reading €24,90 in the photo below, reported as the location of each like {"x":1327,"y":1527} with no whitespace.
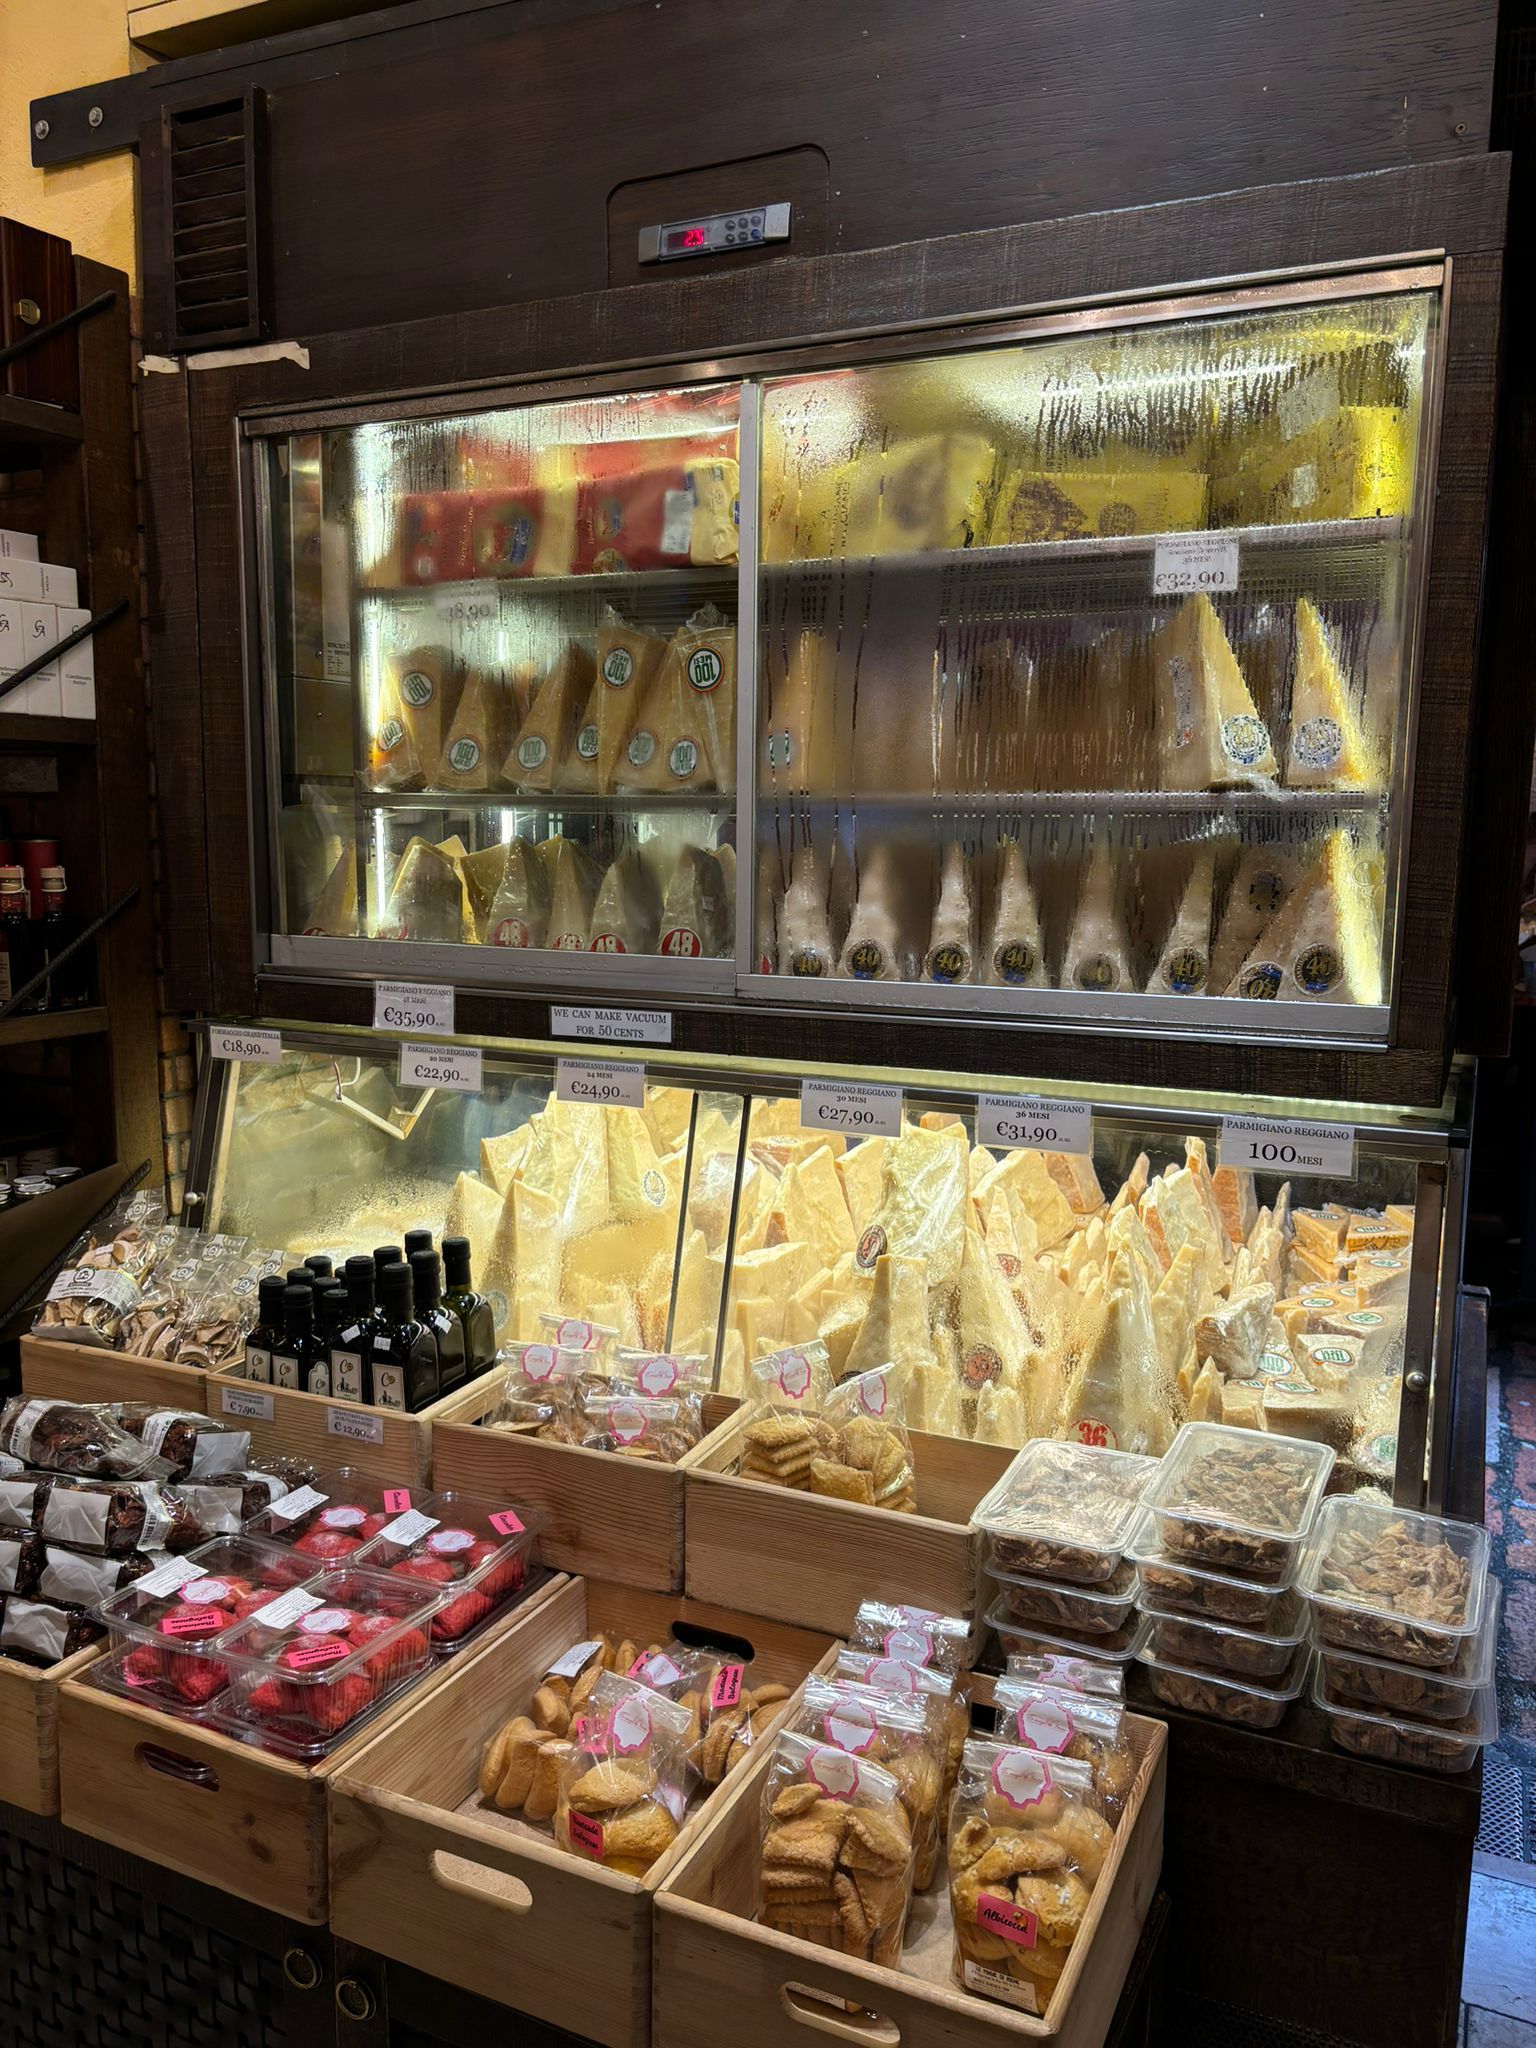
{"x":616,"y":1084}
{"x":1025,"y":1120}
{"x":863,"y":1109}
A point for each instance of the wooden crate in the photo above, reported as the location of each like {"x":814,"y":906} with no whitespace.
{"x":81,"y":1372}
{"x":505,"y":1914}
{"x":29,"y":1730}
{"x":712,"y":1957}
{"x":378,"y":1441}
{"x":615,"y":1519}
{"x":208,"y":1805}
{"x":803,"y":1559}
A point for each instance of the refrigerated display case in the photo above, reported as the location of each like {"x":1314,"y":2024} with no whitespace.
{"x":1078,"y":684}
{"x":1102,"y":1295}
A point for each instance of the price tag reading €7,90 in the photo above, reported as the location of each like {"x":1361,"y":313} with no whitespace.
{"x":1025,"y":1120}
{"x":249,"y":1043}
{"x":863,"y":1109}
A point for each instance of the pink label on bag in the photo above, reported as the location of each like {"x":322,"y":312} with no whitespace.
{"x":1021,"y":1778}
{"x":834,"y":1771}
{"x":586,"y":1833}
{"x":655,"y":1671}
{"x":305,"y":1656}
{"x":506,"y":1523}
{"x":193,"y":1621}
{"x":874,"y":1399}
{"x":1068,"y":1671}
{"x":1000,"y":1916}
{"x":538,"y":1362}
{"x":658,"y":1375}
{"x":627,"y":1423}
{"x":851,"y":1725}
{"x":794,"y":1375}
{"x":910,"y":1645}
{"x":396,"y":1500}
{"x":891,"y":1674}
{"x":726,"y":1690}
{"x":1045,"y":1724}
{"x":206,"y":1592}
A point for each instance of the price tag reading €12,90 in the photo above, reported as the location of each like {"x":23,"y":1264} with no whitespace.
{"x":1025,"y":1120}
{"x":861,"y":1108}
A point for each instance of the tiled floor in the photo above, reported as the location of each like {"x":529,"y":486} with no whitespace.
{"x":1499,"y":1976}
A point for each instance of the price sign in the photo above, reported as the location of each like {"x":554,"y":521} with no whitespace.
{"x":358,"y":1429}
{"x":257,"y":1047}
{"x":468,"y":604}
{"x":248,"y":1405}
{"x":1011,"y":1120}
{"x":1183,"y":563}
{"x":412,"y":1006}
{"x":1266,"y":1147}
{"x":620,"y":1027}
{"x":614,"y":1083}
{"x":458,"y":1067}
{"x":862,"y":1108}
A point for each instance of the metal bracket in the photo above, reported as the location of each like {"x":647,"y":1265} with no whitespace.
{"x":36,"y":336}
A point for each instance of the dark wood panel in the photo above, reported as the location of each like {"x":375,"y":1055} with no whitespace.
{"x":933,"y":120}
{"x":799,"y":177}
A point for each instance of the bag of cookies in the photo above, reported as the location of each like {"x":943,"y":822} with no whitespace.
{"x":1070,"y":1674}
{"x":896,"y":1731}
{"x":916,"y":1635}
{"x":726,"y":1713}
{"x":1026,"y":1845}
{"x":624,"y":1789}
{"x":945,"y":1702}
{"x":1076,"y":1725}
{"x":574,"y":1333}
{"x":658,"y":1373}
{"x":873,"y":1463}
{"x":837,"y":1850}
{"x":539,"y":1392}
{"x":631,"y":1425}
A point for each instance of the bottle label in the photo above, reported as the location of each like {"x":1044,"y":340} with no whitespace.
{"x":319,"y":1381}
{"x":389,"y":1386}
{"x":285,"y":1371}
{"x":258,"y":1362}
{"x":347,"y":1375}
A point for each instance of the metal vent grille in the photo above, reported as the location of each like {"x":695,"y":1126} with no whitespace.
{"x":215,"y":165}
{"x":1508,"y":1826}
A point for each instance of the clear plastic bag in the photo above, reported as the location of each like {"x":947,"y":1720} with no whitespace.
{"x":837,"y":1850}
{"x":540,"y":1392}
{"x":916,"y":1635}
{"x":1061,"y":1723}
{"x":630,"y":1425}
{"x":76,"y":1437}
{"x":946,"y":1702}
{"x":898,"y":1732}
{"x":624,"y":1789}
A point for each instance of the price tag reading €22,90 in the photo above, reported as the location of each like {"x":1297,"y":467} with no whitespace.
{"x":256,"y":1047}
{"x":412,"y":1006}
{"x":456,"y":1067}
{"x":1025,"y":1120}
{"x":863,"y":1109}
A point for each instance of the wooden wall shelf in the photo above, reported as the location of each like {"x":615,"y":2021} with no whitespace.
{"x":37,"y":1030}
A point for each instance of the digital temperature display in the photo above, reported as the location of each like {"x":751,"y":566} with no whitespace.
{"x":688,"y":238}
{"x":715,"y":234}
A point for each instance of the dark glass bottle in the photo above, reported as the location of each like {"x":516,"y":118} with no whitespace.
{"x":330,"y":1307}
{"x":21,"y":942}
{"x":472,"y":1310}
{"x":352,"y":1342}
{"x":403,"y":1360}
{"x":300,"y":1276}
{"x":70,"y":987}
{"x":431,"y":1309}
{"x":267,"y":1336}
{"x":319,"y":1264}
{"x":294,"y":1360}
{"x":384,"y":1255}
{"x":417,"y":1241}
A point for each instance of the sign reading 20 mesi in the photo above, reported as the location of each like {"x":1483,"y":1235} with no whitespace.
{"x":1267,"y":1147}
{"x":861,"y":1108}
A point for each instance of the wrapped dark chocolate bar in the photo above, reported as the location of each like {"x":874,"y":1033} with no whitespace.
{"x":37,"y":1632}
{"x":85,"y":1440}
{"x":111,"y":1517}
{"x":70,"y":1578}
{"x":195,"y":1446}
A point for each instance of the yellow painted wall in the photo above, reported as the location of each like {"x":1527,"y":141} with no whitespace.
{"x":52,"y":46}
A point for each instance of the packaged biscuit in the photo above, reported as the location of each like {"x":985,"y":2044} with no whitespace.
{"x":946,"y":1706}
{"x":896,"y":1730}
{"x":519,"y":912}
{"x":1027,"y":1843}
{"x":1057,"y":1721}
{"x":684,"y":729}
{"x":572,"y":888}
{"x":837,"y":1850}
{"x":624,"y":1789}
{"x":547,"y":734}
{"x":914,"y":1635}
{"x":478,"y":738}
{"x":657,"y":1429}
{"x":697,"y":915}
{"x":625,"y":914}
{"x":628,"y":659}
{"x":541,"y":1392}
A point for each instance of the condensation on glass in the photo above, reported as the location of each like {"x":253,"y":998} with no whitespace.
{"x":1005,"y":738}
{"x":503,"y":659}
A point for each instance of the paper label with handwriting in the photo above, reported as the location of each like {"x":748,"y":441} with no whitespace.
{"x":286,"y":1609}
{"x":297,"y":1503}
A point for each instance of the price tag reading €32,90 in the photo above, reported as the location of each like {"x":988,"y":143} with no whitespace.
{"x":1026,"y":1120}
{"x":1183,"y":563}
{"x":863,"y":1109}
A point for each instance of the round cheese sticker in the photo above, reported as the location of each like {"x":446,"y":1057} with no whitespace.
{"x":630,"y":1726}
{"x":463,"y":756}
{"x":871,"y":1247}
{"x":586,"y":743}
{"x":1089,"y":1429}
{"x":1317,"y":743}
{"x":705,"y":669}
{"x":1244,"y":739}
{"x":1021,"y":1777}
{"x":890,"y":1674}
{"x":511,"y":931}
{"x":833,"y":1771}
{"x":642,"y":746}
{"x":683,"y":757}
{"x":416,"y":688}
{"x":1014,"y":961}
{"x":682,"y":943}
{"x":618,"y":667}
{"x":851,"y":1725}
{"x":793,"y":1374}
{"x":1045,"y":1724}
{"x":1319,"y":969}
{"x":533,"y":751}
{"x":391,"y":733}
{"x":608,"y":942}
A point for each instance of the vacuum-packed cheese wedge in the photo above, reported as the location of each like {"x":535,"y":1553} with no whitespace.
{"x":1235,"y":1332}
{"x":502,"y":1157}
{"x":1379,"y":1332}
{"x":1325,"y":748}
{"x":805,"y":929}
{"x":669,"y":1111}
{"x":933,"y":1399}
{"x":519,"y":912}
{"x":1330,"y":1363}
{"x":923,"y":1205}
{"x":1242,"y":1406}
{"x":994,"y":1344}
{"x":1261,"y":886}
{"x":1119,"y":1397}
{"x":895,"y":1325}
{"x":482,"y":874}
{"x":765,"y":915}
{"x":1204,"y":1400}
{"x":1380,"y":1279}
{"x":548,"y":732}
{"x":426,"y":898}
{"x":474,"y":1211}
{"x":1210,"y":735}
{"x":625,"y":912}
{"x":674,"y":740}
{"x":477,"y":739}
{"x":951,"y":954}
{"x":812,"y":1205}
{"x":522,"y":1272}
{"x":861,"y":1169}
{"x":726,"y":855}
{"x":335,"y":912}
{"x":627,"y":661}
{"x":1025,"y":1174}
{"x":876,"y":948}
{"x":706,"y":649}
{"x":1324,"y":947}
{"x":1001,"y":1417}
{"x":1014,"y":956}
{"x":1126,"y":1232}
{"x":1175,"y":1201}
{"x":1233,"y":1189}
{"x":1098,"y":955}
{"x":798,"y":747}
{"x":572,"y":887}
{"x":394,"y":760}
{"x":1184,"y":965}
{"x":696,"y":915}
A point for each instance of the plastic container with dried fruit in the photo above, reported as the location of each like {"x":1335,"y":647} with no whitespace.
{"x":1238,"y":1652}
{"x":1393,"y":1583}
{"x":1379,"y":1685}
{"x":1065,"y":1511}
{"x":166,"y":1625}
{"x":1238,"y":1500}
{"x":1031,"y":1640}
{"x":315,"y":1661}
{"x":476,"y":1553}
{"x":327,"y":1523}
{"x":1086,"y":1610}
{"x":1444,"y":1746}
{"x":1170,"y":1585}
{"x":1244,"y":1702}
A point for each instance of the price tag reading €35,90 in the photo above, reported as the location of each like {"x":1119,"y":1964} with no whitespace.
{"x":256,"y":1047}
{"x":616,"y":1084}
{"x":1025,"y":1120}
{"x":863,"y":1109}
{"x":457,"y":1067}
{"x":412,"y":1006}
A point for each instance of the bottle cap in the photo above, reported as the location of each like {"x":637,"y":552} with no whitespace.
{"x":456,"y":1260}
{"x":417,"y":1241}
{"x":269,"y":1295}
{"x":426,"y":1279}
{"x":299,"y":1308}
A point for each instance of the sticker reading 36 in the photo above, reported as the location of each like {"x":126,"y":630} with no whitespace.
{"x":1027,"y":1120}
{"x":255,"y":1046}
{"x":1261,"y":1145}
{"x":457,"y":1067}
{"x":1183,"y":563}
{"x":862,"y":1108}
{"x":615,"y":1084}
{"x":412,"y":1006}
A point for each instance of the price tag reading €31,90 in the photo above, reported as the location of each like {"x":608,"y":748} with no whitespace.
{"x":1026,"y":1120}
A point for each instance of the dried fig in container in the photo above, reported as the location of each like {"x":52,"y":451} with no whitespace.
{"x":1393,"y":1583}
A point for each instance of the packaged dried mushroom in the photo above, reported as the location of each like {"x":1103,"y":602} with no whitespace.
{"x":837,"y":1850}
{"x":91,"y":1300}
{"x":1236,"y":1500}
{"x":1027,"y":1845}
{"x":1065,"y":1510}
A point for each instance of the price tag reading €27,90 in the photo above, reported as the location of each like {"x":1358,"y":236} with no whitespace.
{"x":863,"y":1109}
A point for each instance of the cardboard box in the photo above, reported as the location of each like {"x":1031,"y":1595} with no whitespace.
{"x":60,"y":584}
{"x":22,"y":579}
{"x":77,"y":668}
{"x":16,"y":546}
{"x":42,"y":696}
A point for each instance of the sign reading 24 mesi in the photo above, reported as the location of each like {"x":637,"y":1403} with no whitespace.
{"x":613,"y":1083}
{"x":1266,"y":1147}
{"x":861,"y":1108}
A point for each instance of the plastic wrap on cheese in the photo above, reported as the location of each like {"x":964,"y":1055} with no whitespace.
{"x":519,"y":912}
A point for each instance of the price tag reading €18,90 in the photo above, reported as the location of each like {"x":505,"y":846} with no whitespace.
{"x":412,"y":1006}
{"x":457,"y":1067}
{"x":861,"y":1108}
{"x":1183,"y":563}
{"x":614,"y":1083}
{"x":1025,"y":1120}
{"x":255,"y":1046}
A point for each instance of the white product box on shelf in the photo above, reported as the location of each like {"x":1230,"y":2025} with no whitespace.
{"x":77,"y":668}
{"x":60,"y":584}
{"x":39,"y":632}
{"x":17,"y":546}
{"x":21,"y":578}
